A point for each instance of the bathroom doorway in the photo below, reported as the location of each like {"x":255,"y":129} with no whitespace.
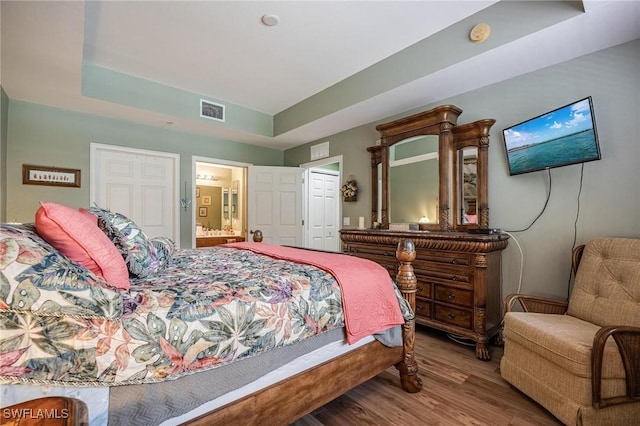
{"x":219,"y":201}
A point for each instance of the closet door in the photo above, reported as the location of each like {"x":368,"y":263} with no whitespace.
{"x":323,"y":212}
{"x":140,"y":184}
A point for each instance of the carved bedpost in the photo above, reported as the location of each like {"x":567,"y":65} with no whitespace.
{"x":407,"y":284}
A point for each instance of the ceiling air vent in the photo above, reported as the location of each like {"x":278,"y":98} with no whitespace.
{"x":211,"y":110}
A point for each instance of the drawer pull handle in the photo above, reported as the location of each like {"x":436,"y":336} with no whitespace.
{"x":386,"y":253}
{"x":454,"y":261}
{"x":454,"y":278}
{"x":452,"y":296}
{"x":420,"y":307}
{"x":420,"y":289}
{"x":451,"y":316}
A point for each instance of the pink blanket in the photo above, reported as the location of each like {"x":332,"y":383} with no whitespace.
{"x":368,"y":298}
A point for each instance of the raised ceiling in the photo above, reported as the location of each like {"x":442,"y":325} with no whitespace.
{"x":326,"y":67}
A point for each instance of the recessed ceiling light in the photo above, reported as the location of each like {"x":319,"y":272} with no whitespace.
{"x":270,"y":20}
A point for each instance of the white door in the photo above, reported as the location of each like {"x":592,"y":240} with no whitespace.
{"x":275,"y":204}
{"x":323,"y":211}
{"x":140,"y":184}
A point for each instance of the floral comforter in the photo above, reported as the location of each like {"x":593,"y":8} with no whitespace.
{"x":62,"y":325}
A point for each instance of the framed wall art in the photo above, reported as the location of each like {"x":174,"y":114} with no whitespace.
{"x":50,"y":176}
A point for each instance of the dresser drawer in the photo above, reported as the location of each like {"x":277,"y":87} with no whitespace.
{"x":457,"y":317}
{"x":454,"y":295}
{"x":445,"y":258}
{"x":379,"y":253}
{"x":424,"y":287}
{"x":388,"y":262}
{"x":445,"y":267}
{"x":423,"y":307}
{"x":372,"y":249}
{"x":445,"y":277}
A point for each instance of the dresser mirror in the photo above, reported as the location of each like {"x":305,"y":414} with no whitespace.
{"x":413,"y":169}
{"x":467,"y":175}
{"x":428,"y":170}
{"x":470,"y":172}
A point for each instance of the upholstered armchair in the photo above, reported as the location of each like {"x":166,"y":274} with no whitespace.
{"x":581,"y":359}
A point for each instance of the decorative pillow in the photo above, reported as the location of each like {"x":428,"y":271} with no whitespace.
{"x":76,"y":235}
{"x":37,"y":278}
{"x":165,"y":247}
{"x":138,"y":251}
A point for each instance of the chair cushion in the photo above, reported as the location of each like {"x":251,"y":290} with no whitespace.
{"x":607,"y":286}
{"x":564,"y":340}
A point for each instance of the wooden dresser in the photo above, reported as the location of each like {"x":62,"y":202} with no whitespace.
{"x":458,"y":277}
{"x":219,"y":239}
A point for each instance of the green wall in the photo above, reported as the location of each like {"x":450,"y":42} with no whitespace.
{"x":4,"y":118}
{"x":610,"y":198}
{"x":54,"y":137}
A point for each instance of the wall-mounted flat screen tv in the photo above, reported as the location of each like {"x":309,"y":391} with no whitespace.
{"x":561,"y":137}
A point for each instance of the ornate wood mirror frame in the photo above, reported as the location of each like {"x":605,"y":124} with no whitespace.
{"x":452,"y":142}
{"x":474,"y":136}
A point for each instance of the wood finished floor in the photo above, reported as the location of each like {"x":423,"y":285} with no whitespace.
{"x":458,"y":389}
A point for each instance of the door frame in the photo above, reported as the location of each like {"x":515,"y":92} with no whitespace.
{"x":213,"y":161}
{"x":305,"y":192}
{"x":95,"y":147}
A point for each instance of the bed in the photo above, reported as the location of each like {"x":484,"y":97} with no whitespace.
{"x":199,"y":336}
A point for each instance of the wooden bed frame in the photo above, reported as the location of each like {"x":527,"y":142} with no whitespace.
{"x":282,"y":403}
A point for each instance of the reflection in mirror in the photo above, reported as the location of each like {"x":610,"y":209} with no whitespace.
{"x":234,"y":199}
{"x":468,"y":160}
{"x":234,"y":203}
{"x":208,"y":200}
{"x":219,"y":199}
{"x":414,"y":180}
{"x":225,"y":204}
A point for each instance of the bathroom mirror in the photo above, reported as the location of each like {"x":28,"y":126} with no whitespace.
{"x":208,"y":206}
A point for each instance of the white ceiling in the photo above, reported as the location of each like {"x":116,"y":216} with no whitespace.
{"x":222,"y":50}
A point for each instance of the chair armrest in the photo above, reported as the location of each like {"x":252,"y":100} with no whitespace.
{"x":542,"y":305}
{"x":576,"y":257}
{"x":628,"y":340}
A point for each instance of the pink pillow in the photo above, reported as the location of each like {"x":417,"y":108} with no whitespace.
{"x":76,"y":235}
{"x":89,"y":215}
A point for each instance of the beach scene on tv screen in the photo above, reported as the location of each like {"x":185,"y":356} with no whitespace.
{"x":561,"y":137}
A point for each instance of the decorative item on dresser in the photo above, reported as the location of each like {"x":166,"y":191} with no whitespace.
{"x":458,"y":258}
